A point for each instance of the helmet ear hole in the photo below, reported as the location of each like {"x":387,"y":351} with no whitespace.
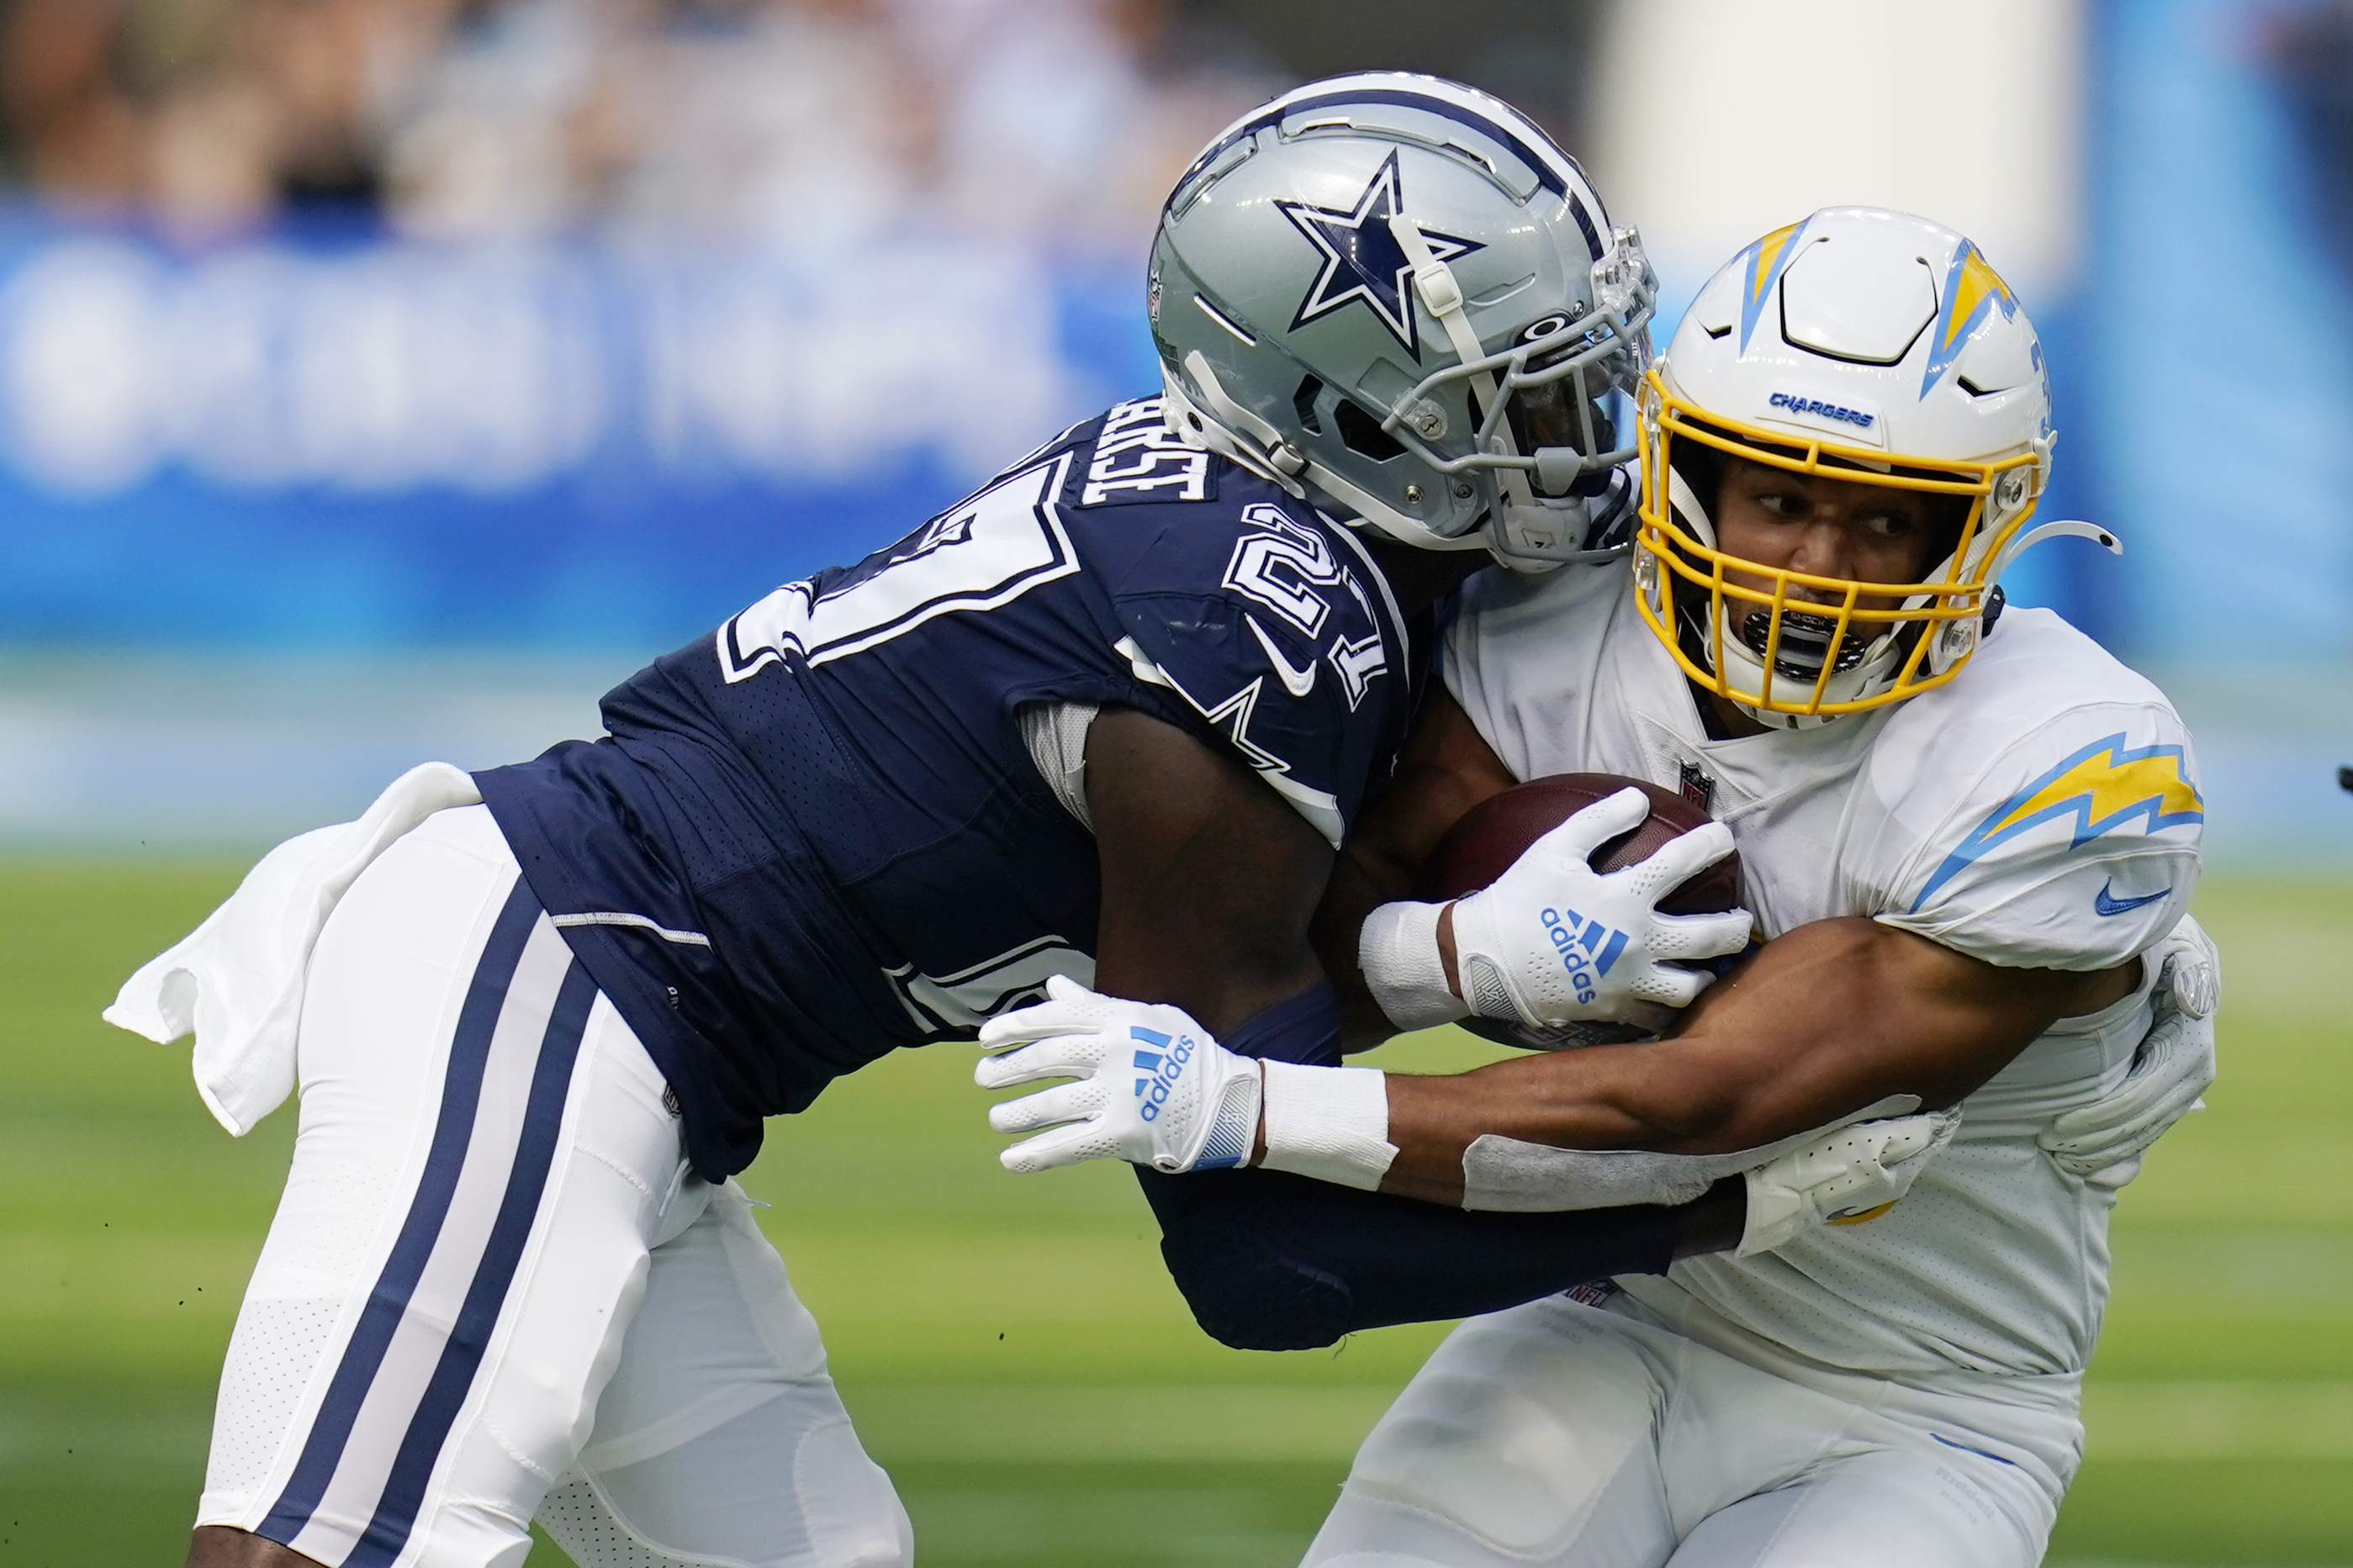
{"x":1362,"y":434}
{"x":1302,"y":403}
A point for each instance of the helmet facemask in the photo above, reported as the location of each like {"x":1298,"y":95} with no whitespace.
{"x":1796,"y":649}
{"x":1540,"y":452}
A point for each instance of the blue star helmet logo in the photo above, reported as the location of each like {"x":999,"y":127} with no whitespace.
{"x":1363,"y":260}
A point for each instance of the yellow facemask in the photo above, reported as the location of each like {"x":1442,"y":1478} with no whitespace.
{"x":1849,"y":646}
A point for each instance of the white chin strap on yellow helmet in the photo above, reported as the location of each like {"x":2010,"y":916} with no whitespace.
{"x":1864,"y":347}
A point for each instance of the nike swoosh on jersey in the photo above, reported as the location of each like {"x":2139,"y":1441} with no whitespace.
{"x":1298,"y":683}
{"x":2103,"y":904}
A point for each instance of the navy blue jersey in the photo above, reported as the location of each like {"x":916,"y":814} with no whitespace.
{"x":816,"y":835}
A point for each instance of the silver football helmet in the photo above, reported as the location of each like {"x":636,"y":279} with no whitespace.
{"x":1396,"y":295}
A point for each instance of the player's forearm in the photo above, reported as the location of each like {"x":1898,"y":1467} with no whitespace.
{"x":1354,"y":891}
{"x":1610,"y":1097}
{"x":1787,"y":1043}
{"x":1208,"y":877}
{"x":1828,"y":1019}
{"x":1445,"y":770}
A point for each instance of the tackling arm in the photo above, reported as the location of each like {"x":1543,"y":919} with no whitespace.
{"x":1445,"y":769}
{"x":1208,"y":877}
{"x":1208,"y":882}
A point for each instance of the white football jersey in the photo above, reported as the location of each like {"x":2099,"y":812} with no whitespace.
{"x":2039,"y":810}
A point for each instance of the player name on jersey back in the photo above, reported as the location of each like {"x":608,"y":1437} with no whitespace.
{"x":1136,"y":457}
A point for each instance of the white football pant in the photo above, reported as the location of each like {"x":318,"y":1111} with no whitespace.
{"x":1562,"y":1436}
{"x":492,"y":1290}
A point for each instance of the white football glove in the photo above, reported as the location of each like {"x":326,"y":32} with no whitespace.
{"x":1553,"y":941}
{"x":1153,"y":1088}
{"x":2104,"y":1142}
{"x":1842,"y":1178}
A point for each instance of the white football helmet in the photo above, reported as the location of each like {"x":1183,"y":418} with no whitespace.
{"x":1868,"y":346}
{"x":1396,"y":294}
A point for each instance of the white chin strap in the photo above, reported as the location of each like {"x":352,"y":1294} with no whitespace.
{"x":1528,"y":533}
{"x":1273,"y":456}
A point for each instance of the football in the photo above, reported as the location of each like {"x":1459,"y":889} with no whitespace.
{"x":1494,"y":833}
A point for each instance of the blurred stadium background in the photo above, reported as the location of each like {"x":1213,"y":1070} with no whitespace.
{"x":381,"y":379}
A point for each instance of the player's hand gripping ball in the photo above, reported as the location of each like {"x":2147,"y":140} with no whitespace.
{"x":1583,"y":903}
{"x":1152,"y":1088}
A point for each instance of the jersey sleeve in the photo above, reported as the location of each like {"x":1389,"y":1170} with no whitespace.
{"x":2075,"y":846}
{"x":1462,"y":665}
{"x":1275,"y":632}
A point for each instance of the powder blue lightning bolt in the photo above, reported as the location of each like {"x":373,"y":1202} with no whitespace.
{"x":2103,"y":787}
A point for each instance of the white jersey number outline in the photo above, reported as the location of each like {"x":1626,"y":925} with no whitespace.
{"x":1282,"y":569}
{"x":986,"y":552}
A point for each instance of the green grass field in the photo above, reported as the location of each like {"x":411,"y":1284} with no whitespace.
{"x":1010,"y":1347}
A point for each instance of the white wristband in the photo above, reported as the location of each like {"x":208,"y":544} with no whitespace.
{"x":1330,"y":1124}
{"x":1396,"y":948}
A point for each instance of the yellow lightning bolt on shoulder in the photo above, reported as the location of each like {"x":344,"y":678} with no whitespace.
{"x":2110,"y":788}
{"x":2100,"y":788}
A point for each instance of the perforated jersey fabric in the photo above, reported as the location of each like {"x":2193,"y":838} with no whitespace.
{"x":1056,"y":736}
{"x":826,"y":821}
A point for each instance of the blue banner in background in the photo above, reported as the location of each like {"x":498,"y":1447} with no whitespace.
{"x":2221,"y":344}
{"x":342,"y":441}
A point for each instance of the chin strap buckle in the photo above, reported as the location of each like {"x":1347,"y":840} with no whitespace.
{"x":1265,"y":448}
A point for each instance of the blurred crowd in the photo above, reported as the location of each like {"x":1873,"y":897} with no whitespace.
{"x":804,"y":121}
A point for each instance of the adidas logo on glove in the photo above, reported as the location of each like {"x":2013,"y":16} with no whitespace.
{"x":1164,"y":1065}
{"x":1587,"y":948}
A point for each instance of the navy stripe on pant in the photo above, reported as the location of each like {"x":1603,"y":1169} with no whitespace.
{"x":363,"y":1396}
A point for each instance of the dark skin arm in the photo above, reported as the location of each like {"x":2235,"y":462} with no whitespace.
{"x":1208,"y":877}
{"x":217,"y":1546}
{"x":1445,"y":769}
